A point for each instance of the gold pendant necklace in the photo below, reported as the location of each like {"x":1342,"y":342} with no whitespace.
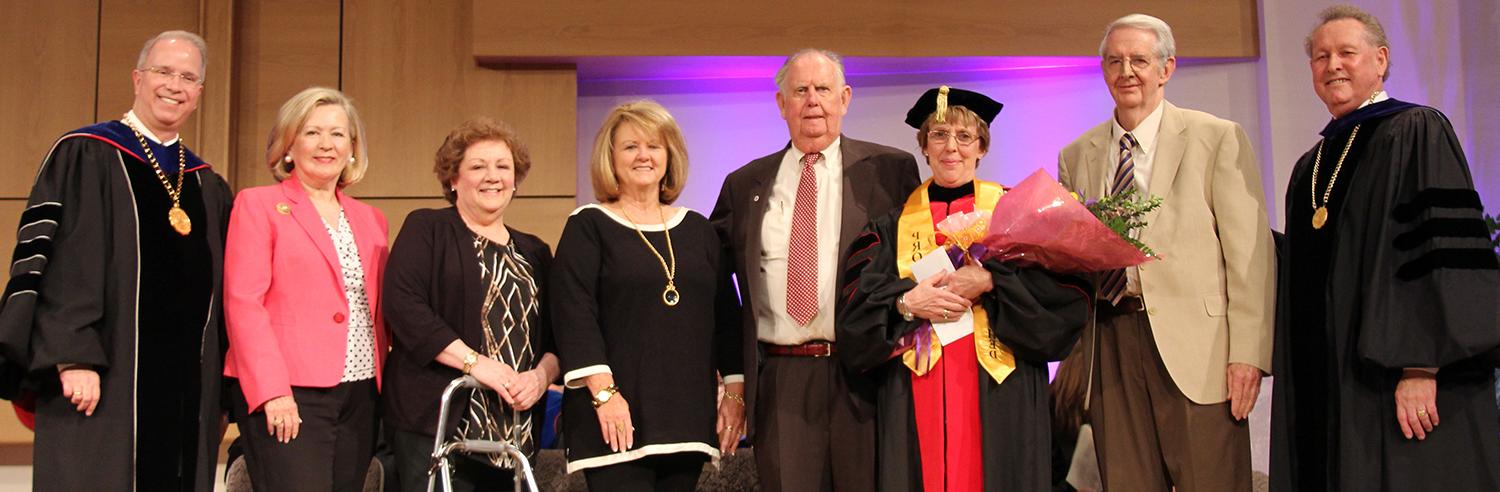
{"x":176,"y":216}
{"x":1320,"y":212}
{"x":669,"y":295}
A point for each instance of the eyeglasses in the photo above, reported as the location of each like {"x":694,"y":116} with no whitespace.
{"x":963,"y":138}
{"x":1115,"y":64}
{"x":167,"y":73}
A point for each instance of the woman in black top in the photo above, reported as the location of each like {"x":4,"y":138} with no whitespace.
{"x":646,"y":317}
{"x":464,"y":295}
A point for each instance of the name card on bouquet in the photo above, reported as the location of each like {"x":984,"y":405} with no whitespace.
{"x":935,"y":263}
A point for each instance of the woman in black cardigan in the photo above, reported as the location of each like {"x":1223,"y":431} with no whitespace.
{"x":464,"y":295}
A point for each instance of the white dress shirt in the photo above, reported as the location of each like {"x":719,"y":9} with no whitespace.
{"x":1142,"y":157}
{"x":775,"y":325}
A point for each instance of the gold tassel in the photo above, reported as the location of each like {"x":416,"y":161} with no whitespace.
{"x":942,"y":104}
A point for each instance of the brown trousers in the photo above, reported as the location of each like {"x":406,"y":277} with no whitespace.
{"x":1149,"y":436}
{"x":807,"y":435}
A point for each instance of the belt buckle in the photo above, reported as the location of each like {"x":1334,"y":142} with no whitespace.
{"x":827,"y":348}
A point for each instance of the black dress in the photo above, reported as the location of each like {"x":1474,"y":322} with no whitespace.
{"x":608,"y":312}
{"x":1399,"y":276}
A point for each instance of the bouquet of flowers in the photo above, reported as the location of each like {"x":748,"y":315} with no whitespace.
{"x":1041,"y":223}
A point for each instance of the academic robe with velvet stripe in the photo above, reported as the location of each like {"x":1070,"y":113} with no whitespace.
{"x":100,"y":278}
{"x":1039,"y":315}
{"x":1400,"y":276}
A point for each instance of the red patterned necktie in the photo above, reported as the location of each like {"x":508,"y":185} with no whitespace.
{"x":802,"y":254}
{"x":1113,"y":286}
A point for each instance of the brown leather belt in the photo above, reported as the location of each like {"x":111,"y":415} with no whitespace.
{"x":815,"y":348}
{"x":1127,"y":305}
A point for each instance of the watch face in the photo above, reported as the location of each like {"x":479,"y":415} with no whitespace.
{"x":603,"y":395}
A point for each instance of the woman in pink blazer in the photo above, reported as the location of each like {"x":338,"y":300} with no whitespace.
{"x":302,"y":274}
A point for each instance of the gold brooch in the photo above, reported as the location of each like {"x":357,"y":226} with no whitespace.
{"x":283,"y":208}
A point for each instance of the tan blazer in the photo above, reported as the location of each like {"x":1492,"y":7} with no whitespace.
{"x":1211,"y":296}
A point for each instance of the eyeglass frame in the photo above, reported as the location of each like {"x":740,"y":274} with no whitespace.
{"x":1112,"y":64}
{"x":162,"y":71}
{"x":935,"y":136}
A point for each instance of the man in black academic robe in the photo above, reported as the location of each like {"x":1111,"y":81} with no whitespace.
{"x":1390,"y":293}
{"x":111,"y":319}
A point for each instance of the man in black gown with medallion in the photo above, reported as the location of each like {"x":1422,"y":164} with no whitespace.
{"x":111,"y":318}
{"x":1391,"y":294}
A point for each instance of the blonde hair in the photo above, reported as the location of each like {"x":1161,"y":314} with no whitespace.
{"x":294,"y":114}
{"x":957,"y":116}
{"x":652,"y":119}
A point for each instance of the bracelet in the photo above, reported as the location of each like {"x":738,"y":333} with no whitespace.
{"x":903,"y":309}
{"x":470,"y":360}
{"x":735,"y":397}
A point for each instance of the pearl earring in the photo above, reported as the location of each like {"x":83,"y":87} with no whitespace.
{"x":351,"y":158}
{"x":287,"y":158}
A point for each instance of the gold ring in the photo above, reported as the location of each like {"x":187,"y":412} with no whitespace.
{"x":619,"y":426}
{"x":77,"y":392}
{"x":1421,"y":412}
{"x":277,"y":421}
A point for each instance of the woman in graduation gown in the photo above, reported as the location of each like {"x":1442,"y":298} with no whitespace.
{"x":971,"y":414}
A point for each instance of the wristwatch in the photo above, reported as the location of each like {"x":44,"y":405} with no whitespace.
{"x":604,"y":395}
{"x":901,"y":308}
{"x":469,"y":361}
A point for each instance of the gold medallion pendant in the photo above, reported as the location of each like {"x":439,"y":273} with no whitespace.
{"x":179,"y":220}
{"x":175,"y":216}
{"x":1320,"y":217}
{"x":669,"y":296}
{"x":1320,"y":212}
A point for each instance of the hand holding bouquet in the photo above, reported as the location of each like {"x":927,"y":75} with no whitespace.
{"x":1041,"y":223}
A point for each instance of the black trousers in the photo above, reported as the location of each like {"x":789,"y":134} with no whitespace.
{"x":414,"y":457}
{"x":659,"y":473}
{"x":332,"y":450}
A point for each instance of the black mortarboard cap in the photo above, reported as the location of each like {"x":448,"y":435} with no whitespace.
{"x":943,"y":97}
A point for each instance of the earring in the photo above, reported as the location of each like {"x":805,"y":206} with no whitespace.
{"x":351,"y":158}
{"x":287,"y":158}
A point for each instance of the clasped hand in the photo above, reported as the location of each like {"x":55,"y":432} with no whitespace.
{"x":945,"y":296}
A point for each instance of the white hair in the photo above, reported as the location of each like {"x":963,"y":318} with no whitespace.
{"x":140,"y":61}
{"x":838,"y":66}
{"x":1166,"y":46}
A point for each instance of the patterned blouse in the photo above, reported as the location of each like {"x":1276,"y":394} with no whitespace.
{"x":510,"y":306}
{"x":359,"y":351}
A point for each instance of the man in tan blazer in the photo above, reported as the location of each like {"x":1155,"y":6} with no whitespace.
{"x":1182,"y":342}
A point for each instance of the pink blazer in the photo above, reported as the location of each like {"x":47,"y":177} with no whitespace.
{"x":284,"y":291}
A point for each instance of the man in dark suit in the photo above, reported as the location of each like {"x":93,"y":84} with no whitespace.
{"x":787,"y":218}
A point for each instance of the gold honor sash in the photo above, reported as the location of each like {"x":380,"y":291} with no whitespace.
{"x":916,"y":237}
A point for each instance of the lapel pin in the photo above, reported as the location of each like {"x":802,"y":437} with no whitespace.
{"x":755,"y":198}
{"x":283,"y":208}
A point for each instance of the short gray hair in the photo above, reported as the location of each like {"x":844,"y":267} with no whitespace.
{"x":140,"y":60}
{"x":1166,"y":45}
{"x":838,"y":66}
{"x":1374,"y":32}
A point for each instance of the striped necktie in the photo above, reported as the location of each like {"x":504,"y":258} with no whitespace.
{"x":1113,"y":285}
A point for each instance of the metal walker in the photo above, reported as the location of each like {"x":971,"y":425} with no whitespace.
{"x":442,"y":450}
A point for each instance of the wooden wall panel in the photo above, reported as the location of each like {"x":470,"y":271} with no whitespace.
{"x":215,"y":113}
{"x":282,"y":47}
{"x":49,"y":87}
{"x":884,"y":28}
{"x":410,"y":70}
